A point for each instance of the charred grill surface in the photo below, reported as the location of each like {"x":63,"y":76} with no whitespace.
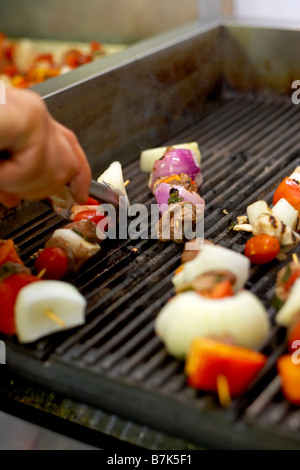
{"x":115,"y":361}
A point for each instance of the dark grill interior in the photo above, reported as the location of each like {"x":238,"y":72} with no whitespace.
{"x":249,"y":144}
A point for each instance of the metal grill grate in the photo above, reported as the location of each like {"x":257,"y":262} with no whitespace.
{"x":249,"y":144}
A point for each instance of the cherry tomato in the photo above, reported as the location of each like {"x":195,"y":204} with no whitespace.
{"x":221,"y":290}
{"x":9,"y":289}
{"x":289,"y":190}
{"x":54,"y":260}
{"x":262,"y":249}
{"x":92,"y":202}
{"x":91,"y":215}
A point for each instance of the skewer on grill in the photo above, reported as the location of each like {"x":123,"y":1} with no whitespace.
{"x":50,"y":314}
{"x":223,"y":391}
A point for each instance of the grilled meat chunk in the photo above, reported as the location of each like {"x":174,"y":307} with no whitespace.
{"x":178,"y":222}
{"x":207,"y":281}
{"x":86,"y":229}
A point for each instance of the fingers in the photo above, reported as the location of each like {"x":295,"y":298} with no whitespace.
{"x":80,"y":183}
{"x":44,"y":154}
{"x":38,"y":172}
{"x":9,"y":200}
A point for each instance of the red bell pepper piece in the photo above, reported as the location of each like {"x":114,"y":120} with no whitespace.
{"x":92,"y":202}
{"x":289,"y":190}
{"x":92,"y":215}
{"x":9,"y":289}
{"x":220,"y":291}
{"x":8,"y":253}
{"x":291,"y":280}
{"x":293,"y":336}
{"x":288,"y":367}
{"x":209,"y":359}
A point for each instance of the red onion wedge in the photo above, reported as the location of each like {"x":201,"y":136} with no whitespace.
{"x":174,"y":162}
{"x":166,"y":194}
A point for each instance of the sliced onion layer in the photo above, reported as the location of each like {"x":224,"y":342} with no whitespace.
{"x":149,"y":156}
{"x":174,"y":162}
{"x":291,"y":308}
{"x":163,"y":193}
{"x":213,"y":257}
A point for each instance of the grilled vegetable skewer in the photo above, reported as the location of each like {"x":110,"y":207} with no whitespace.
{"x":214,"y":324}
{"x":69,"y":248}
{"x":31,"y":311}
{"x":175,"y":180}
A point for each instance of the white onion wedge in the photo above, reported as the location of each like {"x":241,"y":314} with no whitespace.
{"x":76,"y":241}
{"x":256,"y":209}
{"x":47,"y":307}
{"x":189,"y":315}
{"x":291,"y":307}
{"x":213,"y":257}
{"x":295,"y":175}
{"x":113,"y":176}
{"x":148,"y":157}
{"x":286,"y":213}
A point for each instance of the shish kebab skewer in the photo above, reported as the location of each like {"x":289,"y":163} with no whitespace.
{"x":287,"y":303}
{"x":213,"y":323}
{"x":275,"y":230}
{"x":70,"y":247}
{"x":33,"y":312}
{"x":175,"y":180}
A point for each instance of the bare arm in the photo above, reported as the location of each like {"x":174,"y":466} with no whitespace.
{"x":44,"y":154}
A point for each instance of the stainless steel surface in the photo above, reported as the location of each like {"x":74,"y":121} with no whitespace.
{"x":105,"y":20}
{"x":137,"y":99}
{"x":120,"y":105}
{"x":261,"y":56}
{"x":104,"y":193}
{"x":209,"y":9}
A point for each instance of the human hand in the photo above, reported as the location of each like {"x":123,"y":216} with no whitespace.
{"x":44,"y":155}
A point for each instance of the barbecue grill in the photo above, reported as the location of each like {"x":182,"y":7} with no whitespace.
{"x":226,"y":85}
